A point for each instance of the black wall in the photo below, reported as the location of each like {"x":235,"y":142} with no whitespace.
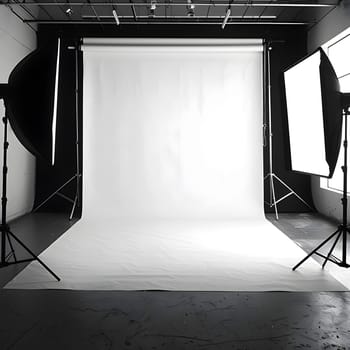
{"x":50,"y":178}
{"x":289,"y":46}
{"x":282,"y":56}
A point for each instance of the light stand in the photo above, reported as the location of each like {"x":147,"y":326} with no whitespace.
{"x":75,"y":202}
{"x":343,"y":228}
{"x":6,"y":233}
{"x":271,"y":176}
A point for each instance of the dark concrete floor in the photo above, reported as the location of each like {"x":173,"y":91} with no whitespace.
{"x":51,"y":319}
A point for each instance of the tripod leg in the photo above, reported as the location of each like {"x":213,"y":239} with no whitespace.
{"x":273,"y":199}
{"x":331,"y":251}
{"x":34,"y":256}
{"x":316,"y":249}
{"x":11,"y":247}
{"x":269,"y":203}
{"x":73,"y":208}
{"x":272,"y":194}
{"x":76,"y":199}
{"x":53,"y":194}
{"x":291,"y":190}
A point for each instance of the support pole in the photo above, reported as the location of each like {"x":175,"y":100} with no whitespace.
{"x":77,"y":140}
{"x":271,"y":176}
{"x":4,"y":194}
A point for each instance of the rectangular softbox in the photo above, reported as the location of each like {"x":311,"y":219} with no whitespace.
{"x":314,"y":115}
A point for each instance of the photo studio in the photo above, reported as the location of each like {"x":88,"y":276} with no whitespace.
{"x":175,"y":174}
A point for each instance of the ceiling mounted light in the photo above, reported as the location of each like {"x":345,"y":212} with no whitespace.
{"x":227,"y":16}
{"x":153,"y":5}
{"x":69,"y":11}
{"x":190,"y":8}
{"x":115,"y":15}
{"x":152,"y":9}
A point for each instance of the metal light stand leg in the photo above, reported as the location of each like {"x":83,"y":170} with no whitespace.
{"x":77,"y":141}
{"x":4,"y":227}
{"x":343,"y":229}
{"x":12,"y":250}
{"x":273,"y":202}
{"x":57,"y":192}
{"x":271,"y":176}
{"x":76,"y":201}
{"x":332,"y":248}
{"x":316,"y":249}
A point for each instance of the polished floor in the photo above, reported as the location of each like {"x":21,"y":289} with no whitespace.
{"x":51,"y":319}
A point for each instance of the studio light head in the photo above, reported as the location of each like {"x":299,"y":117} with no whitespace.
{"x":227,"y":16}
{"x":152,"y":9}
{"x":116,"y":18}
{"x":69,"y":11}
{"x":190,"y":8}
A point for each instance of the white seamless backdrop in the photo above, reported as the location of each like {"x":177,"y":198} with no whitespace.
{"x":173,"y":133}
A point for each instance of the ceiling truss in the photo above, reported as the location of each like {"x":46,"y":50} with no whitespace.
{"x":258,"y":12}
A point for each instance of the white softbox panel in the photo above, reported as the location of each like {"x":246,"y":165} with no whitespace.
{"x":305,"y":116}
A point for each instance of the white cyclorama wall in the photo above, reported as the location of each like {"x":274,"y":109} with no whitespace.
{"x":173,"y":132}
{"x":328,"y":202}
{"x":16,"y":41}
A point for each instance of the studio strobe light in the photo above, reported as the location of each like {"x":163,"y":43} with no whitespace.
{"x":315,"y":109}
{"x":34,"y":123}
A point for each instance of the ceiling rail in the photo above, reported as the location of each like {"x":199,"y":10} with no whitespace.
{"x":213,"y":3}
{"x":168,"y":21}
